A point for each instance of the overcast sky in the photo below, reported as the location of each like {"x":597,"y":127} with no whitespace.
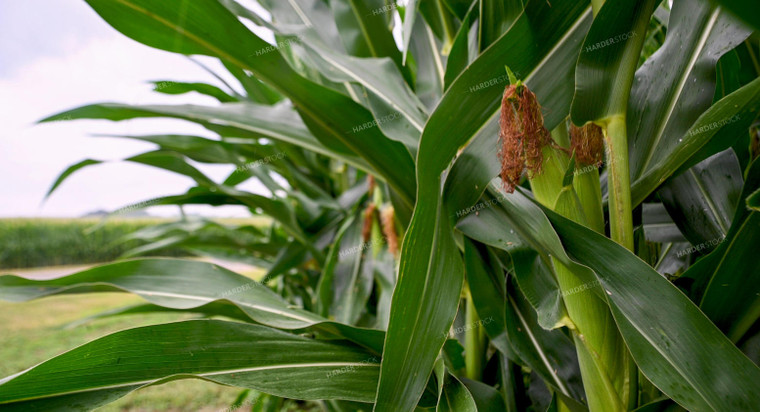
{"x":59,"y":54}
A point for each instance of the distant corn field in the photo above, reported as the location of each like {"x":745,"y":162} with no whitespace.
{"x":29,"y":243}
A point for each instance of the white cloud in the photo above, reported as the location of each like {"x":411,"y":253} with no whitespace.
{"x":109,"y":67}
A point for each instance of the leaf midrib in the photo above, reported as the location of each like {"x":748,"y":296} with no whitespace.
{"x":723,"y":258}
{"x":363,"y":28}
{"x":710,"y":202}
{"x":539,"y":349}
{"x":206,"y":374}
{"x":673,"y":100}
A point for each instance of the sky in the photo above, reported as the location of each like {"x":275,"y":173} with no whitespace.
{"x":59,"y":54}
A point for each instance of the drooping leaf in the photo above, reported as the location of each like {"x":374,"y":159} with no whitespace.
{"x":650,"y":313}
{"x":279,"y":122}
{"x":276,"y":208}
{"x":213,"y":30}
{"x":202,"y":149}
{"x":378,"y":74}
{"x":172,"y":87}
{"x":69,"y":171}
{"x":311,"y":13}
{"x":184,"y":284}
{"x":228,"y":353}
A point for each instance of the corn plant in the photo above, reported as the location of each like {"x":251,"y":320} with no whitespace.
{"x":475,"y":206}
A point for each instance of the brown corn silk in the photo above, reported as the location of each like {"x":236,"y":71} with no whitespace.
{"x":522,"y":135}
{"x":588,"y":144}
{"x":369,"y":213}
{"x":388,"y":220}
{"x":370,"y":185}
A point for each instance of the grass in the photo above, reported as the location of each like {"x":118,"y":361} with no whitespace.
{"x":33,"y":331}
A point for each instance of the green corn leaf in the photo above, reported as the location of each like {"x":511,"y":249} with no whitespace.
{"x":608,"y":60}
{"x":430,"y":271}
{"x":673,"y":90}
{"x":742,"y":9}
{"x":279,"y":122}
{"x":463,"y":50}
{"x":183,"y":284}
{"x":238,"y":354}
{"x":69,"y":171}
{"x":726,"y":119}
{"x":410,"y":15}
{"x":430,"y":65}
{"x":204,"y":150}
{"x":453,"y":396}
{"x":726,"y":279}
{"x":650,"y":313}
{"x":379,"y":75}
{"x":753,"y":201}
{"x":496,"y":17}
{"x":207,"y":27}
{"x":364,"y":27}
{"x":347,"y":279}
{"x":172,"y":87}
{"x":703,"y":199}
